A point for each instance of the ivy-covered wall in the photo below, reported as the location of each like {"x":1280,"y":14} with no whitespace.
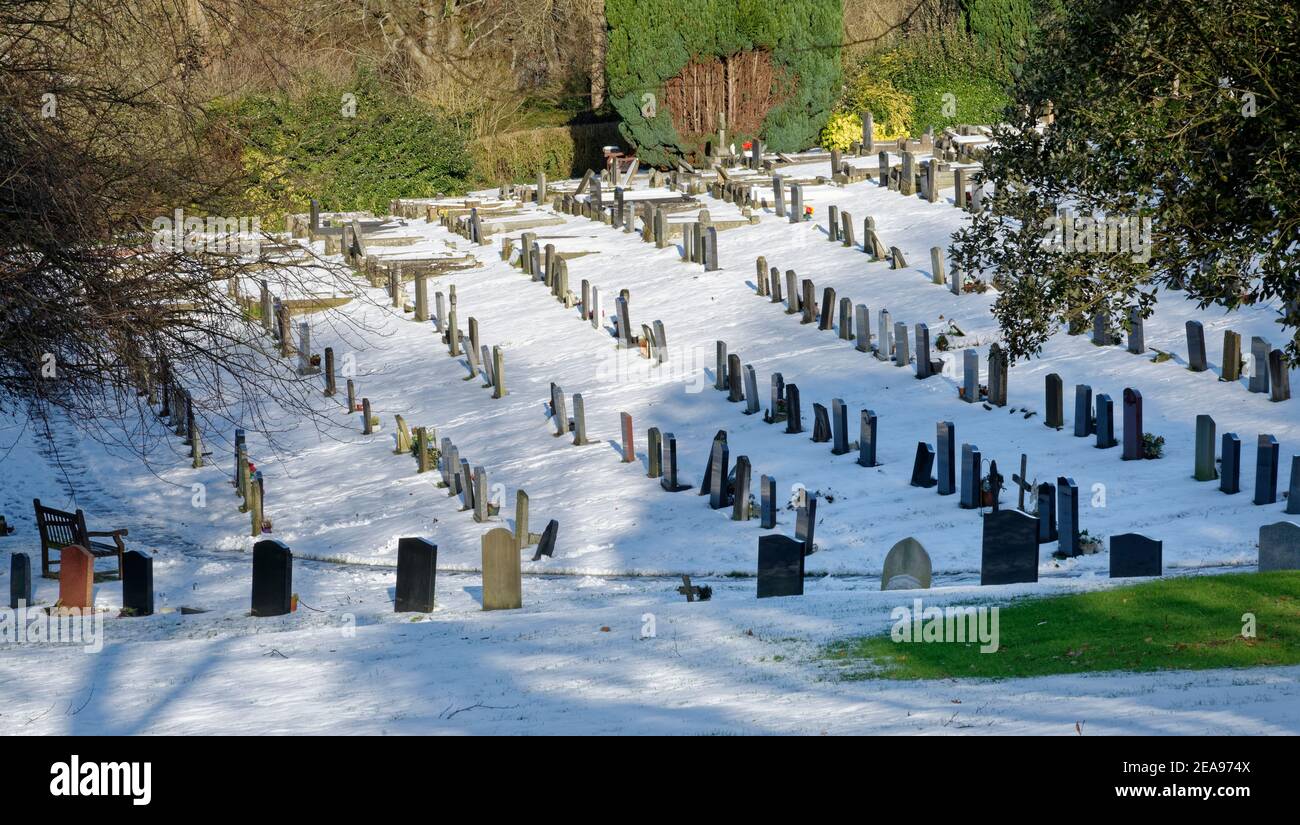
{"x":651,"y":40}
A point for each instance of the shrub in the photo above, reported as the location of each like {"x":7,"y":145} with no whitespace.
{"x":560,"y":152}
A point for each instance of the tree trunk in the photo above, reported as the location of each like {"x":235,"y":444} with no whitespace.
{"x":598,"y":43}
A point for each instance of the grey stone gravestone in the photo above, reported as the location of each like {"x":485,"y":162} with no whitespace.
{"x":907,"y":567}
{"x":867,"y":439}
{"x":1259,"y":350}
{"x":997,"y":376}
{"x":272,"y":578}
{"x":780,"y":566}
{"x":863,"y":327}
{"x":946,"y":448}
{"x":808,"y":302}
{"x":774,"y":285}
{"x":1047,"y":513}
{"x":791,"y":292}
{"x":1083,"y":424}
{"x":1105,"y":422}
{"x":821,"y":424}
{"x":805,"y":523}
{"x":885,"y":349}
{"x":1230,"y":480}
{"x":711,"y":249}
{"x":970,"y":376}
{"x":1133,"y":445}
{"x":902,"y":357}
{"x":670,"y":481}
{"x":717,"y":475}
{"x":924,"y":366}
{"x":1231,"y":368}
{"x":778,"y":196}
{"x":1136,"y":339}
{"x":417,"y":572}
{"x":1279,"y":376}
{"x":735,"y":379}
{"x":777,"y":411}
{"x":1266,"y":461}
{"x":1010,"y":548}
{"x":839,"y":426}
{"x":767,"y":502}
{"x":654,"y":453}
{"x":796,"y":203}
{"x":137,"y":583}
{"x":1293,"y":488}
{"x":720,"y":366}
{"x":740,"y":490}
{"x":1133,"y":554}
{"x":846,"y":230}
{"x":1196,"y":346}
{"x":579,"y":421}
{"x":846,"y":319}
{"x":1204,"y":469}
{"x":751,"y":391}
{"x":1279,"y":546}
{"x":833,"y":223}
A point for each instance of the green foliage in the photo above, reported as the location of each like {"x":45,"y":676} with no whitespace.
{"x":1153,"y":446}
{"x":650,"y":41}
{"x":1003,"y":28}
{"x":1180,"y":118}
{"x":393,"y":147}
{"x":561,"y":152}
{"x":1185,"y":623}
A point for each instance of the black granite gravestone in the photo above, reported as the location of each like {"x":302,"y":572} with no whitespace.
{"x":137,"y":583}
{"x":780,"y":566}
{"x":805,"y":524}
{"x":1046,"y":512}
{"x":867,"y":439}
{"x":1068,"y":516}
{"x":1055,"y":402}
{"x":546,"y":545}
{"x":923,"y":466}
{"x":1010,"y":548}
{"x":767,"y":502}
{"x":706,"y":484}
{"x":272,"y":578}
{"x":1266,"y":462}
{"x":821,"y":424}
{"x":1105,"y":422}
{"x":669,"y":480}
{"x":1230,"y":477}
{"x":20,"y":580}
{"x":1133,"y":444}
{"x":417,"y":571}
{"x":719,"y":474}
{"x":1133,"y":554}
{"x":793,"y":417}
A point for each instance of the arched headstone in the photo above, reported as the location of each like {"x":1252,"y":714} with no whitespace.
{"x":907,"y":567}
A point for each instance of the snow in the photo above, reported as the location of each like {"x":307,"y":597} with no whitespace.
{"x":334,"y":494}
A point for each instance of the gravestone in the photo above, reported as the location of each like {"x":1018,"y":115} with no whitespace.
{"x":417,"y":570}
{"x":833,"y":219}
{"x":863,"y":326}
{"x":20,"y":580}
{"x":331,"y":387}
{"x":720,"y":366}
{"x":1009,"y":553}
{"x":1055,"y":402}
{"x":805,"y":523}
{"x":1293,"y":488}
{"x":1136,"y":338}
{"x":751,"y":391}
{"x":1279,"y":376}
{"x":846,"y":230}
{"x":735,"y":379}
{"x":272,"y":578}
{"x":718,"y":474}
{"x":793,"y":415}
{"x":826,"y":312}
{"x":1230,"y":481}
{"x":885,"y":349}
{"x":1266,"y":461}
{"x":972,"y":468}
{"x":791,"y":292}
{"x":502,"y":574}
{"x":1133,"y":554}
{"x":1133,"y":445}
{"x":997,"y":376}
{"x":1105,"y":422}
{"x":669,"y":482}
{"x":1259,"y":350}
{"x":821,"y":424}
{"x":559,"y":411}
{"x":937,"y":274}
{"x":924,"y":366}
{"x":946,"y":449}
{"x":796,"y":203}
{"x":767,"y":502}
{"x":970,"y":376}
{"x":1047,"y":513}
{"x":907,"y":567}
{"x":867,"y":440}
{"x":76,"y":578}
{"x":839,"y":426}
{"x":1204,"y":469}
{"x":780,"y":566}
{"x":808,"y":302}
{"x":711,"y":249}
{"x":774,"y":285}
{"x":654,"y":453}
{"x":546,"y":544}
{"x":1231,"y":367}
{"x":1195,"y":346}
{"x":137,"y":583}
{"x":846,"y":319}
{"x":778,"y":196}
{"x":1279,"y":546}
{"x":902,"y":357}
{"x":740,"y":490}
{"x":629,"y":451}
{"x":923,"y":466}
{"x":761,"y":280}
{"x":1083,"y":424}
{"x":1067,"y":511}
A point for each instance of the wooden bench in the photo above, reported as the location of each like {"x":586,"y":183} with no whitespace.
{"x":60,"y":528}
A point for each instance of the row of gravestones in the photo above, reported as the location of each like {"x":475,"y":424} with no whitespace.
{"x":1227,"y":468}
{"x":545,"y":265}
{"x":1097,"y":418}
{"x":77,"y":581}
{"x":781,"y":567}
{"x":1269,"y":372}
{"x":839,"y":229}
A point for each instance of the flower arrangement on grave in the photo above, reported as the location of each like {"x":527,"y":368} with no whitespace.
{"x":433,"y":454}
{"x":972,"y":284}
{"x":1088,"y":543}
{"x":1160,"y":356}
{"x":991,"y":486}
{"x":315,"y":360}
{"x":807,"y":213}
{"x":1153,"y":446}
{"x":266,"y":525}
{"x":374,"y":421}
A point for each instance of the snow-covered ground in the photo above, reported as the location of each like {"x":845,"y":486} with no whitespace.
{"x":345,"y":662}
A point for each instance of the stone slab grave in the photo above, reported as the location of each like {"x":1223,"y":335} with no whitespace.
{"x":1279,"y":546}
{"x":546,"y":544}
{"x":417,"y":571}
{"x":1133,"y":554}
{"x":502,"y":573}
{"x":137,"y":584}
{"x":20,"y":580}
{"x":272,"y":578}
{"x":1009,"y":549}
{"x":907,"y":567}
{"x":780,"y":566}
{"x":76,"y":578}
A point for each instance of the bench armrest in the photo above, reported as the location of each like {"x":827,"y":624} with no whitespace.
{"x":106,"y":533}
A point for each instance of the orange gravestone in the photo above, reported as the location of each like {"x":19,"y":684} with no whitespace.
{"x":76,"y":577}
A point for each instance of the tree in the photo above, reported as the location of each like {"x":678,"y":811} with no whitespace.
{"x":1171,"y":121}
